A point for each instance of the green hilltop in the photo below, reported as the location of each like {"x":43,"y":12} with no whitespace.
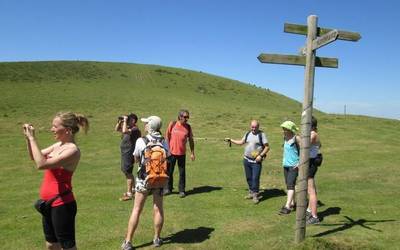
{"x":357,"y":182}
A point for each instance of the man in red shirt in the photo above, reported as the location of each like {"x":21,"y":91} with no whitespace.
{"x":177,"y":134}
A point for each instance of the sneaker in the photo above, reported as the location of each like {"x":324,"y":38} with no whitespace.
{"x":255,"y":199}
{"x":284,"y":210}
{"x":126,"y":245}
{"x":126,"y":197}
{"x":308,"y":215}
{"x":182,"y":194}
{"x":157,"y":242}
{"x":313,"y":221}
{"x":249,"y":196}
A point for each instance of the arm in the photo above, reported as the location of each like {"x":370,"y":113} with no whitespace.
{"x":263,"y":153}
{"x":64,"y":158}
{"x":191,"y":145}
{"x":125,"y":129}
{"x":237,"y":142}
{"x":168,"y":132}
{"x":118,"y":126}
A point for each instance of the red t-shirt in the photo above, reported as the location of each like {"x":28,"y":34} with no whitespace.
{"x":179,"y":134}
{"x":56,"y":181}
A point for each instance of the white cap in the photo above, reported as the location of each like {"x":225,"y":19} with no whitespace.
{"x":153,"y":121}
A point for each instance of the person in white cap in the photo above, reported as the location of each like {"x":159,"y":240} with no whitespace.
{"x":152,"y":126}
{"x":290,"y":162}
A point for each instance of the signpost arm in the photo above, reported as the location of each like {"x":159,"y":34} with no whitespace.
{"x":301,"y":193}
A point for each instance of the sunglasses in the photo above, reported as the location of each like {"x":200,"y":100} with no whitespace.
{"x":185,"y":116}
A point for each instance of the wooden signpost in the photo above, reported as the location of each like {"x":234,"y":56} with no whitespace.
{"x":316,"y":38}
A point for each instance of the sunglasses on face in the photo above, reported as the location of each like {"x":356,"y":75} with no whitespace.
{"x":185,"y":116}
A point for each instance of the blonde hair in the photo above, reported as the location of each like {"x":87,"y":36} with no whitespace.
{"x":74,"y":121}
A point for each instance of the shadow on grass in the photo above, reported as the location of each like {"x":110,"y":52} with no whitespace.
{"x":202,"y":189}
{"x":270,"y":193}
{"x":351,"y":223}
{"x":186,"y":236}
{"x":329,"y":211}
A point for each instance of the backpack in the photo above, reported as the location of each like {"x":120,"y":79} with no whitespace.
{"x":154,"y":165}
{"x":259,"y":138}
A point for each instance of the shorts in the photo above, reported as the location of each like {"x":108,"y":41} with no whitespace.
{"x":290,"y":174}
{"x":312,"y":168}
{"x":140,"y":187}
{"x":59,"y":226}
{"x":127,"y":161}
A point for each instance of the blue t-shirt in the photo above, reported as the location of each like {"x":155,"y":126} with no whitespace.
{"x":290,"y":153}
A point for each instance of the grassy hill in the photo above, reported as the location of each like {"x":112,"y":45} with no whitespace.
{"x":357,"y":183}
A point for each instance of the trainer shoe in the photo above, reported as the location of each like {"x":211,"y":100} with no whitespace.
{"x":157,"y":242}
{"x":249,"y":196}
{"x":255,"y":199}
{"x":313,"y":221}
{"x":182,"y":194}
{"x":166,"y":191}
{"x":127,"y":245}
{"x":284,"y":210}
{"x":308,"y":215}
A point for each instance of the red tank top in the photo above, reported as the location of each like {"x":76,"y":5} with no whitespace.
{"x":56,"y":181}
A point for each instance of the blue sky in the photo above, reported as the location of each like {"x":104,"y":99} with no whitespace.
{"x":222,"y":38}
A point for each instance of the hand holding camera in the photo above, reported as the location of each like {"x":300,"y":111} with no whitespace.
{"x":29,"y":131}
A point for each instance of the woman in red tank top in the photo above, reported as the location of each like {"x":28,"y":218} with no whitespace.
{"x":59,"y":162}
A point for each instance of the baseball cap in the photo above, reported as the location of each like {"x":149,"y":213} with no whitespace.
{"x":153,"y":121}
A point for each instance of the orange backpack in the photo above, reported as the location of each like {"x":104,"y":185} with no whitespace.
{"x":155,"y":164}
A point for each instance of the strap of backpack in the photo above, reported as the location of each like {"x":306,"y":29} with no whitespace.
{"x":260,"y":139}
{"x":247,"y":135}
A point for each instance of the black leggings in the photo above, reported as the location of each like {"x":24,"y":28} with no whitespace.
{"x":59,"y":226}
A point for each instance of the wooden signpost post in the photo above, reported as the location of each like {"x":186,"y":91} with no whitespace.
{"x":316,"y":38}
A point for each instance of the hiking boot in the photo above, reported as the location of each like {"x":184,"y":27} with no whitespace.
{"x":157,"y":242}
{"x":313,"y":221}
{"x":182,"y":194}
{"x":126,"y":197}
{"x":127,"y":245}
{"x":284,"y":210}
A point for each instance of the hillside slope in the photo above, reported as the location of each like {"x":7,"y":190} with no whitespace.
{"x":357,"y":182}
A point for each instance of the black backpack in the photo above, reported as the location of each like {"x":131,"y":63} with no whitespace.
{"x":259,"y":138}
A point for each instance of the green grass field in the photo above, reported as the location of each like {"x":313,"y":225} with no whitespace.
{"x":357,"y":183}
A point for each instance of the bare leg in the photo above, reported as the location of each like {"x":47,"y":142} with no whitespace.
{"x":140,"y":198}
{"x":290,"y":195}
{"x":158,"y":214}
{"x":130,"y":182}
{"x":312,"y":194}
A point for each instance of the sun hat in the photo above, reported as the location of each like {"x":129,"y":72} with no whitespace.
{"x":289,"y":125}
{"x":153,"y":121}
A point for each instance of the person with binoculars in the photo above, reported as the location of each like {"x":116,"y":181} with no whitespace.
{"x":126,"y":125}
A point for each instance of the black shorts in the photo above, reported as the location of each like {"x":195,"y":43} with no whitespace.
{"x":59,"y":226}
{"x":312,"y":168}
{"x":127,"y":161}
{"x":290,"y":177}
